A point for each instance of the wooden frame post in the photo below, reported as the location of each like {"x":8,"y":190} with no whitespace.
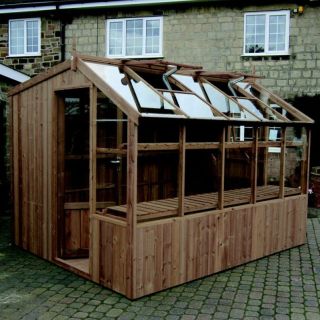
{"x":94,"y":254}
{"x":222,"y":168}
{"x":282,"y":164}
{"x":305,"y":164}
{"x":181,"y":169}
{"x":254,"y":165}
{"x":265,"y":155}
{"x":132,"y":168}
{"x":58,"y":235}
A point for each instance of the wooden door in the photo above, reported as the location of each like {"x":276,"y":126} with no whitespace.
{"x":73,"y":174}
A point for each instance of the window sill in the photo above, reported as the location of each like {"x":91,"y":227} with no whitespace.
{"x":267,"y":57}
{"x":160,"y":56}
{"x":265,"y":54}
{"x":24,"y":55}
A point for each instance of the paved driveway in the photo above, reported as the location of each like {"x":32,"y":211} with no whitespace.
{"x":282,"y":286}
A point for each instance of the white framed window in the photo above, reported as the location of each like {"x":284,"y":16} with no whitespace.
{"x":134,"y":37}
{"x":24,"y":37}
{"x":266,"y":33}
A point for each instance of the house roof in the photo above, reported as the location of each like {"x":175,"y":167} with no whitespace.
{"x":163,"y":89}
{"x":16,"y":6}
{"x":12,"y":74}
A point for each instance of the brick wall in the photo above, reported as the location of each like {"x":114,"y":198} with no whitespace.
{"x":50,"y":49}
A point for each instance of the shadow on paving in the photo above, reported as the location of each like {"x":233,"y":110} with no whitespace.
{"x":282,"y":286}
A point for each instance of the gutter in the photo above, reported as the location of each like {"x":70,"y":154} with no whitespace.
{"x":127,"y":3}
{"x":27,"y":9}
{"x":33,"y":7}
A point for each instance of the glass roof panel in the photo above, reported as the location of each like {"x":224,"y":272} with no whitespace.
{"x":267,"y":99}
{"x":148,"y":98}
{"x":217,"y":98}
{"x":113,"y":78}
{"x":194,"y":107}
{"x":225,"y":104}
{"x":189,"y":82}
{"x":251,"y":107}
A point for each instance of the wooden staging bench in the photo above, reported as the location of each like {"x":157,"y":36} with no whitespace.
{"x":200,"y":202}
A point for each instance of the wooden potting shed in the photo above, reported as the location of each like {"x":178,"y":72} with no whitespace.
{"x":143,"y":175}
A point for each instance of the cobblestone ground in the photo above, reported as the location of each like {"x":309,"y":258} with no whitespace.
{"x":282,"y":286}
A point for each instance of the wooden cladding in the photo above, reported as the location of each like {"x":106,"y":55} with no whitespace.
{"x":181,"y":250}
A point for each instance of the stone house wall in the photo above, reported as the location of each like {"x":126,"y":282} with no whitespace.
{"x":208,"y":35}
{"x":50,"y":49}
{"x":213,"y":37}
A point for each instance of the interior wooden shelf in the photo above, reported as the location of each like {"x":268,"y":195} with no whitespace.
{"x":201,"y":202}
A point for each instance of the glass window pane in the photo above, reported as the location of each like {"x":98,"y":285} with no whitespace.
{"x":277,"y":28}
{"x":152,"y":36}
{"x":115,"y":38}
{"x":17,"y":37}
{"x":250,"y":29}
{"x":32,"y":36}
{"x":255,"y":33}
{"x":260,"y":29}
{"x":134,"y":37}
{"x":250,"y":20}
{"x":260,"y":19}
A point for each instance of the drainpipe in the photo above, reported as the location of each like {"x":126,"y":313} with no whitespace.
{"x":233,"y":82}
{"x":63,"y":40}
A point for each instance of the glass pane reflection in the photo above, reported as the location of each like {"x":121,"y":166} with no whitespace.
{"x":113,"y":78}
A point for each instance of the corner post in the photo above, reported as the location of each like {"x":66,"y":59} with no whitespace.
{"x":94,"y":223}
{"x":222,"y":168}
{"x":132,"y":168}
{"x":254,"y":165}
{"x":181,"y":169}
{"x":282,"y":164}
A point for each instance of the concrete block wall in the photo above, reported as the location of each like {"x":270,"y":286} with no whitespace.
{"x":87,"y":34}
{"x":213,"y":37}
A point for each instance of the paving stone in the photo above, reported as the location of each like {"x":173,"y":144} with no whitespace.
{"x":221,"y":315}
{"x":297,"y":316}
{"x":282,"y":317}
{"x":97,"y":315}
{"x":236,"y":313}
{"x":283,"y":286}
{"x":114,"y":313}
{"x":187,"y":317}
{"x":81,"y":315}
{"x":312,"y":316}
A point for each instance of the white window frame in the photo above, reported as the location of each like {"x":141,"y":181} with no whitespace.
{"x":25,"y":53}
{"x":267,"y":14}
{"x":144,"y":54}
